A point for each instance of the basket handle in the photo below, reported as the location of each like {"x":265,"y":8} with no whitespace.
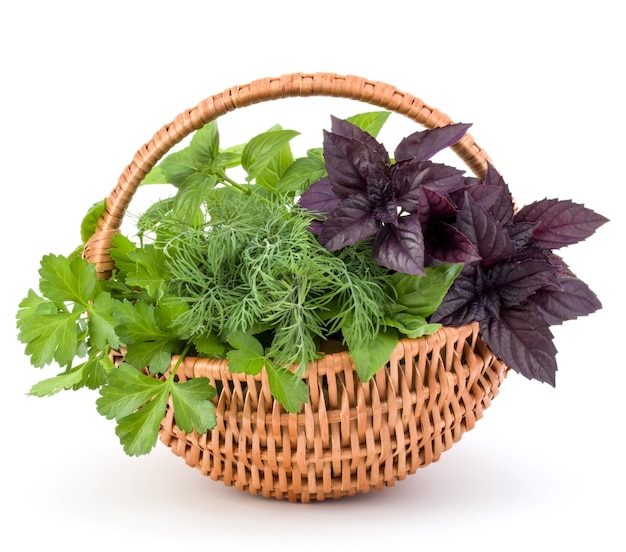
{"x":297,"y":84}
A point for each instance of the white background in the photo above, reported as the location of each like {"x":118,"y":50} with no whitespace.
{"x":85,"y":84}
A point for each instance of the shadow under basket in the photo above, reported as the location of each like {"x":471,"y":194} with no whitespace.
{"x":351,"y":437}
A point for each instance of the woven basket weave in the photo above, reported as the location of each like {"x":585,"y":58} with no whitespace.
{"x":350,"y":437}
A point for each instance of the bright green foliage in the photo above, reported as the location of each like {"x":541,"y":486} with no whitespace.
{"x":224,"y":268}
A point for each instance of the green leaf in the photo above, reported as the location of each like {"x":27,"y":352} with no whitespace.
{"x":191,"y":194}
{"x":66,"y":380}
{"x":121,"y":251}
{"x":89,"y":224}
{"x":300,"y":174}
{"x":247,"y":355}
{"x":261,"y":149}
{"x":422,"y":295}
{"x":139,"y":432}
{"x":178,"y":166}
{"x":205,"y":145}
{"x":50,"y":337}
{"x":287,"y":387}
{"x":147,"y":343}
{"x":371,"y":122}
{"x":102,"y":324}
{"x":210,"y":345}
{"x":193,"y":408}
{"x":126,"y":391}
{"x":64,"y":280}
{"x":155,"y":176}
{"x":412,"y":326}
{"x":150,"y":271}
{"x":372,"y":357}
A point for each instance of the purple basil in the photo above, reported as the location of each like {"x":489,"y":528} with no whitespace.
{"x":418,"y":213}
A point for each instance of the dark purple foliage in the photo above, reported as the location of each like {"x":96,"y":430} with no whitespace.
{"x":366,"y":196}
{"x":418,"y":213}
{"x":519,"y":287}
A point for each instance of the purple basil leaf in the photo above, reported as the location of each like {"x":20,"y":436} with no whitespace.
{"x":574,"y":299}
{"x":349,"y":223}
{"x":401,"y":248}
{"x":461,"y":305}
{"x":433,"y":205}
{"x":378,"y":153}
{"x":492,"y":243}
{"x":521,"y":233}
{"x":522,"y":339}
{"x":515,"y":282}
{"x":446,"y":244}
{"x":441,"y":178}
{"x":319,"y":198}
{"x":347,"y":164}
{"x":503,"y":209}
{"x":562,"y":223}
{"x":485,"y":196}
{"x":422,"y":145}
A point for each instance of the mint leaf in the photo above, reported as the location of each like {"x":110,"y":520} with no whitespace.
{"x":193,"y":408}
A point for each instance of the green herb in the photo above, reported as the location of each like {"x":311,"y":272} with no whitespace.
{"x":227,"y":267}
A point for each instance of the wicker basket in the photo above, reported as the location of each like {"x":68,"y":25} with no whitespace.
{"x":351,"y":437}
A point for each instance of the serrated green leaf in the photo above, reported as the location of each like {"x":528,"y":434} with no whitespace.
{"x":193,"y":408}
{"x":261,"y":149}
{"x":247,"y":355}
{"x":287,"y":387}
{"x":89,"y":223}
{"x":147,"y":344}
{"x":372,"y":357}
{"x":102,"y":323}
{"x":371,"y":122}
{"x":32,"y":305}
{"x":139,"y":432}
{"x":210,"y":345}
{"x":50,"y":337}
{"x":63,"y":280}
{"x":150,"y":271}
{"x":66,"y":380}
{"x":121,"y":248}
{"x":126,"y":391}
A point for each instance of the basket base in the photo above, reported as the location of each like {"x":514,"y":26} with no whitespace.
{"x":351,"y":437}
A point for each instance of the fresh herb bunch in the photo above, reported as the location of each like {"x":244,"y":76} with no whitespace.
{"x":344,"y":244}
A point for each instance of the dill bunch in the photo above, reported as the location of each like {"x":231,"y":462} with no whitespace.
{"x":253,"y":266}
